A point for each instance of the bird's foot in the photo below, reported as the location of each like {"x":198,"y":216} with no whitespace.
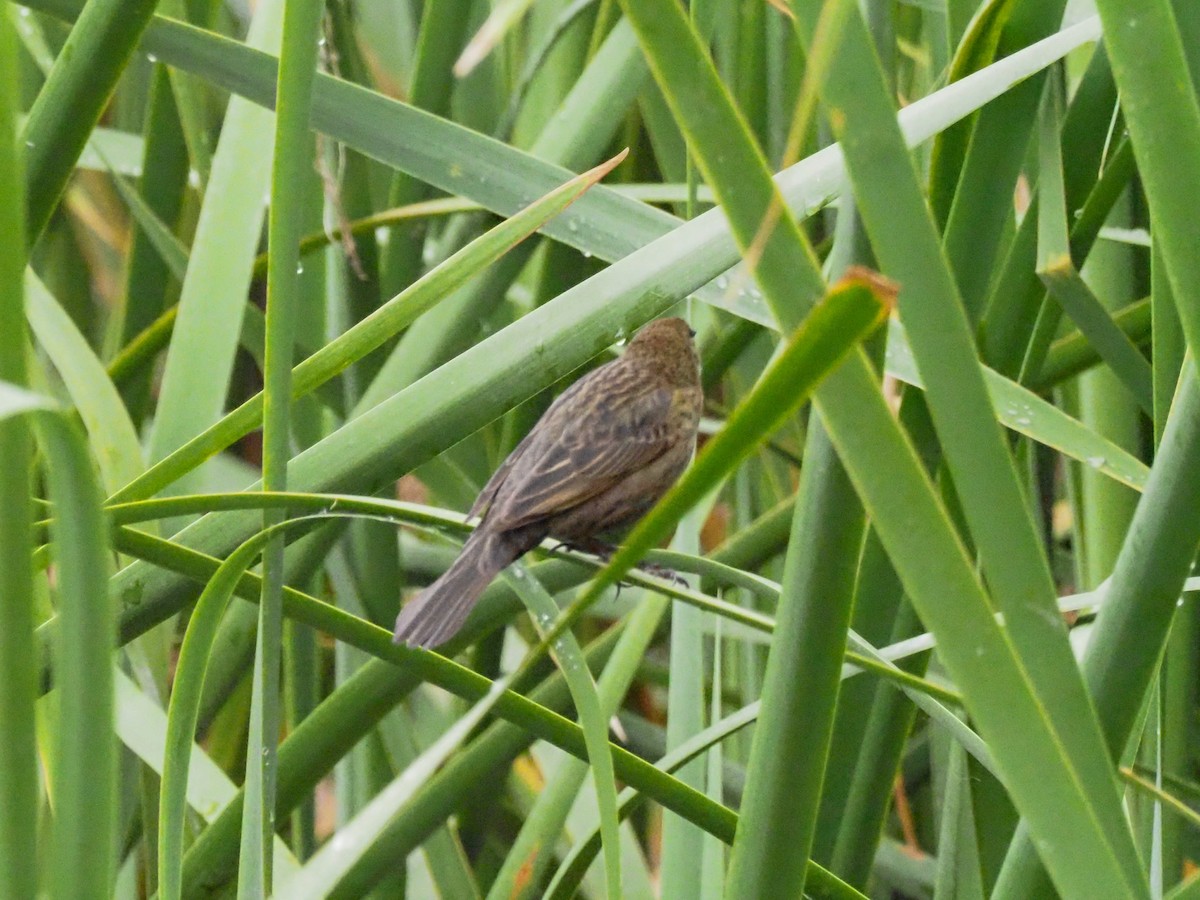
{"x":604,"y":552}
{"x":663,"y":572}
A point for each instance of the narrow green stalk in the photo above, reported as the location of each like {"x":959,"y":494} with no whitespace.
{"x":86,"y":752}
{"x":983,"y":197}
{"x":682,"y":842}
{"x":515,"y":880}
{"x":292,"y":163}
{"x":443,"y":28}
{"x":1134,"y":623}
{"x":18,"y":661}
{"x":165,"y":172}
{"x":199,"y":362}
{"x":70,"y":103}
{"x":1159,"y":103}
{"x":800,"y":688}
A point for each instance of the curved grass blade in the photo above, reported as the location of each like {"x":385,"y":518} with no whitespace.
{"x":183,"y":712}
{"x":85,"y":766}
{"x":592,"y":720}
{"x":821,"y":883}
{"x":525,"y":865}
{"x":114,"y":440}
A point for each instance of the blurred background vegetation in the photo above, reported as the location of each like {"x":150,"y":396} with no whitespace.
{"x":936,"y":638}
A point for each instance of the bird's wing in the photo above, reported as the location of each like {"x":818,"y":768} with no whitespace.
{"x":580,"y":450}
{"x":484,"y":501}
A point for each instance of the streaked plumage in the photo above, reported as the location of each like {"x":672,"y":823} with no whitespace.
{"x":597,"y":460}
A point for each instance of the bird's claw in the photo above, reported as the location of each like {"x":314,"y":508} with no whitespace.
{"x":604,"y":553}
{"x":665,"y":573}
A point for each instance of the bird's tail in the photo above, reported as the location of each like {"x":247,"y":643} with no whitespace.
{"x":434,"y":615}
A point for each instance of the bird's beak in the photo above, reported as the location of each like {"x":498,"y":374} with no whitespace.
{"x":692,"y":332}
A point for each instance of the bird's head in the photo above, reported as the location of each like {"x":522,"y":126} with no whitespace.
{"x":666,"y":344}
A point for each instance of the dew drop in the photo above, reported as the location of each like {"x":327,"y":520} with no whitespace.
{"x":1095,"y":461}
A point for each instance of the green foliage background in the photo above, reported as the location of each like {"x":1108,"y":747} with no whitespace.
{"x":282,"y":286}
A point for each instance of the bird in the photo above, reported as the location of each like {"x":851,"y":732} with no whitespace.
{"x":597,"y":460}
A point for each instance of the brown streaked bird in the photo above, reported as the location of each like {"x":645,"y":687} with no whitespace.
{"x":597,"y":460}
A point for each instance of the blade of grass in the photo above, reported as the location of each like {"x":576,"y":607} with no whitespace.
{"x":18,"y":662}
{"x":1127,"y":640}
{"x":501,"y":178}
{"x":85,"y":753}
{"x":1058,"y":272}
{"x":1156,"y":94}
{"x":292,"y":161}
{"x":184,"y":707}
{"x":592,"y":718}
{"x":1023,"y":411}
{"x":69,"y":105}
{"x":161,"y":190}
{"x":172,"y":254}
{"x":141,"y":725}
{"x":983,"y":195}
{"x":683,"y":843}
{"x":985,"y":477}
{"x":113,"y":438}
{"x":1072,"y":353}
{"x":320,"y":876}
{"x":200,"y":357}
{"x":973,"y":52}
{"x":524,"y":866}
{"x":821,"y":882}
{"x":442,"y":30}
{"x":1091,"y":169}
{"x":293,"y":158}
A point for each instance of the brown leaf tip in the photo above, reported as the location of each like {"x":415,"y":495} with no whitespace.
{"x":880,"y":285}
